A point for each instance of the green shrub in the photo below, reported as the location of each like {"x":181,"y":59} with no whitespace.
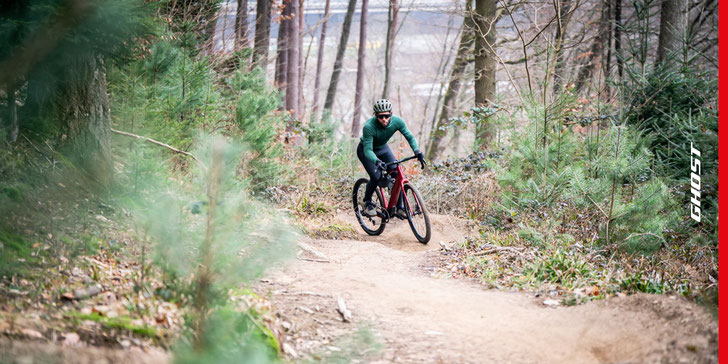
{"x":561,"y":267}
{"x":231,"y":337}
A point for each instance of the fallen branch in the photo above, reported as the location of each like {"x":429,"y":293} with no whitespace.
{"x":160,"y":144}
{"x":314,"y":260}
{"x":345,"y":313}
{"x":309,"y":249}
{"x":495,"y":249}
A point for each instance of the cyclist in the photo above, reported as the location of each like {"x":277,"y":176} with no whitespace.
{"x":374,"y":153}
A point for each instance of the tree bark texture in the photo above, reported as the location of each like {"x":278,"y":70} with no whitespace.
{"x":346,"y":27}
{"x":300,"y":105}
{"x":673,"y":22}
{"x":319,"y":61}
{"x":78,"y":105}
{"x":389,"y":46}
{"x":485,"y":63}
{"x":262,"y":33}
{"x":595,"y":56}
{"x":467,"y":39}
{"x":360,"y":70}
{"x":618,"y":37}
{"x":563,"y":17}
{"x":241,"y":25}
{"x":282,"y":51}
{"x":292,"y":64}
{"x":12,"y":116}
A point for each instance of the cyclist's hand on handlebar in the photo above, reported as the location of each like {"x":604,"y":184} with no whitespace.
{"x":381,"y":165}
{"x":421,"y":158}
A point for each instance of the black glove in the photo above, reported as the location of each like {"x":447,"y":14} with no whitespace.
{"x":420,"y":157}
{"x":381,"y":165}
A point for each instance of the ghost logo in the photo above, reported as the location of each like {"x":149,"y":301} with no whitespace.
{"x":695,"y":183}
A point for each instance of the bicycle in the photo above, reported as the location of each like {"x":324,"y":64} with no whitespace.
{"x":400,"y":187}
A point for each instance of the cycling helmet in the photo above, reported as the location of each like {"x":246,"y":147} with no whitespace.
{"x":382,"y":105}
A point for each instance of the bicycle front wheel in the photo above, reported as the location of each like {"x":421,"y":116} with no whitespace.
{"x":419,"y":219}
{"x":372,"y":225}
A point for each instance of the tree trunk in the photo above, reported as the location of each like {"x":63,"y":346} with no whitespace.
{"x":563,"y":17}
{"x":12,"y":116}
{"x":467,"y":37}
{"x":301,"y":70}
{"x":389,"y":46}
{"x":79,"y":108}
{"x":262,"y":33}
{"x":596,"y":51}
{"x":241,"y":25}
{"x":319,"y":61}
{"x":292,"y":64}
{"x":360,"y":70}
{"x":282,"y":50}
{"x":346,"y":27}
{"x":673,"y":21}
{"x":618,"y":37}
{"x":484,"y":65}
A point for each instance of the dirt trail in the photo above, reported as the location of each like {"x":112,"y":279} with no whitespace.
{"x":424,"y":319}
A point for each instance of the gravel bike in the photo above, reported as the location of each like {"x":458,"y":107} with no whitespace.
{"x":394,"y":180}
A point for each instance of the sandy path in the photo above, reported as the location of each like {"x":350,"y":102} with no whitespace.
{"x":423,"y":319}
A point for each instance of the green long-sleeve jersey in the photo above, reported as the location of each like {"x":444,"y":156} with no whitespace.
{"x":374,"y":136}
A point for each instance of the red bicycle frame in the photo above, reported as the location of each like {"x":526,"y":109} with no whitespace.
{"x":399,"y":182}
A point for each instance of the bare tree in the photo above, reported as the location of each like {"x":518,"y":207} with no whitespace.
{"x":485,"y":63}
{"x":282,"y":51}
{"x":563,"y":16}
{"x":673,"y":22}
{"x":319,"y":60}
{"x":389,"y":46}
{"x":360,"y":69}
{"x":331,"y":92}
{"x":241,"y":25}
{"x":299,"y":103}
{"x":595,"y":57}
{"x":618,"y":37}
{"x":467,"y":38}
{"x":292,"y":62}
{"x":262,"y":33}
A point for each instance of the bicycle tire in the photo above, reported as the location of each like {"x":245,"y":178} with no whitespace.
{"x":417,"y":215}
{"x":357,"y":200}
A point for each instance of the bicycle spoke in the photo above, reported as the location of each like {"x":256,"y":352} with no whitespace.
{"x":419,"y":222}
{"x":371,"y":224}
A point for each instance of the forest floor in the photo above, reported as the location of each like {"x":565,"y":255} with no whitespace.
{"x":402,"y":311}
{"x":398,"y":305}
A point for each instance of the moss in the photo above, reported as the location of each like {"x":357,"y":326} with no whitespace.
{"x":15,"y":253}
{"x":117,"y":323}
{"x":13,"y":192}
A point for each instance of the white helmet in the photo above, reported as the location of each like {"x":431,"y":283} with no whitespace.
{"x":382,"y":105}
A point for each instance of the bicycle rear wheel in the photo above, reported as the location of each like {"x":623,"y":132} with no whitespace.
{"x":372,"y":225}
{"x":419,"y":219}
